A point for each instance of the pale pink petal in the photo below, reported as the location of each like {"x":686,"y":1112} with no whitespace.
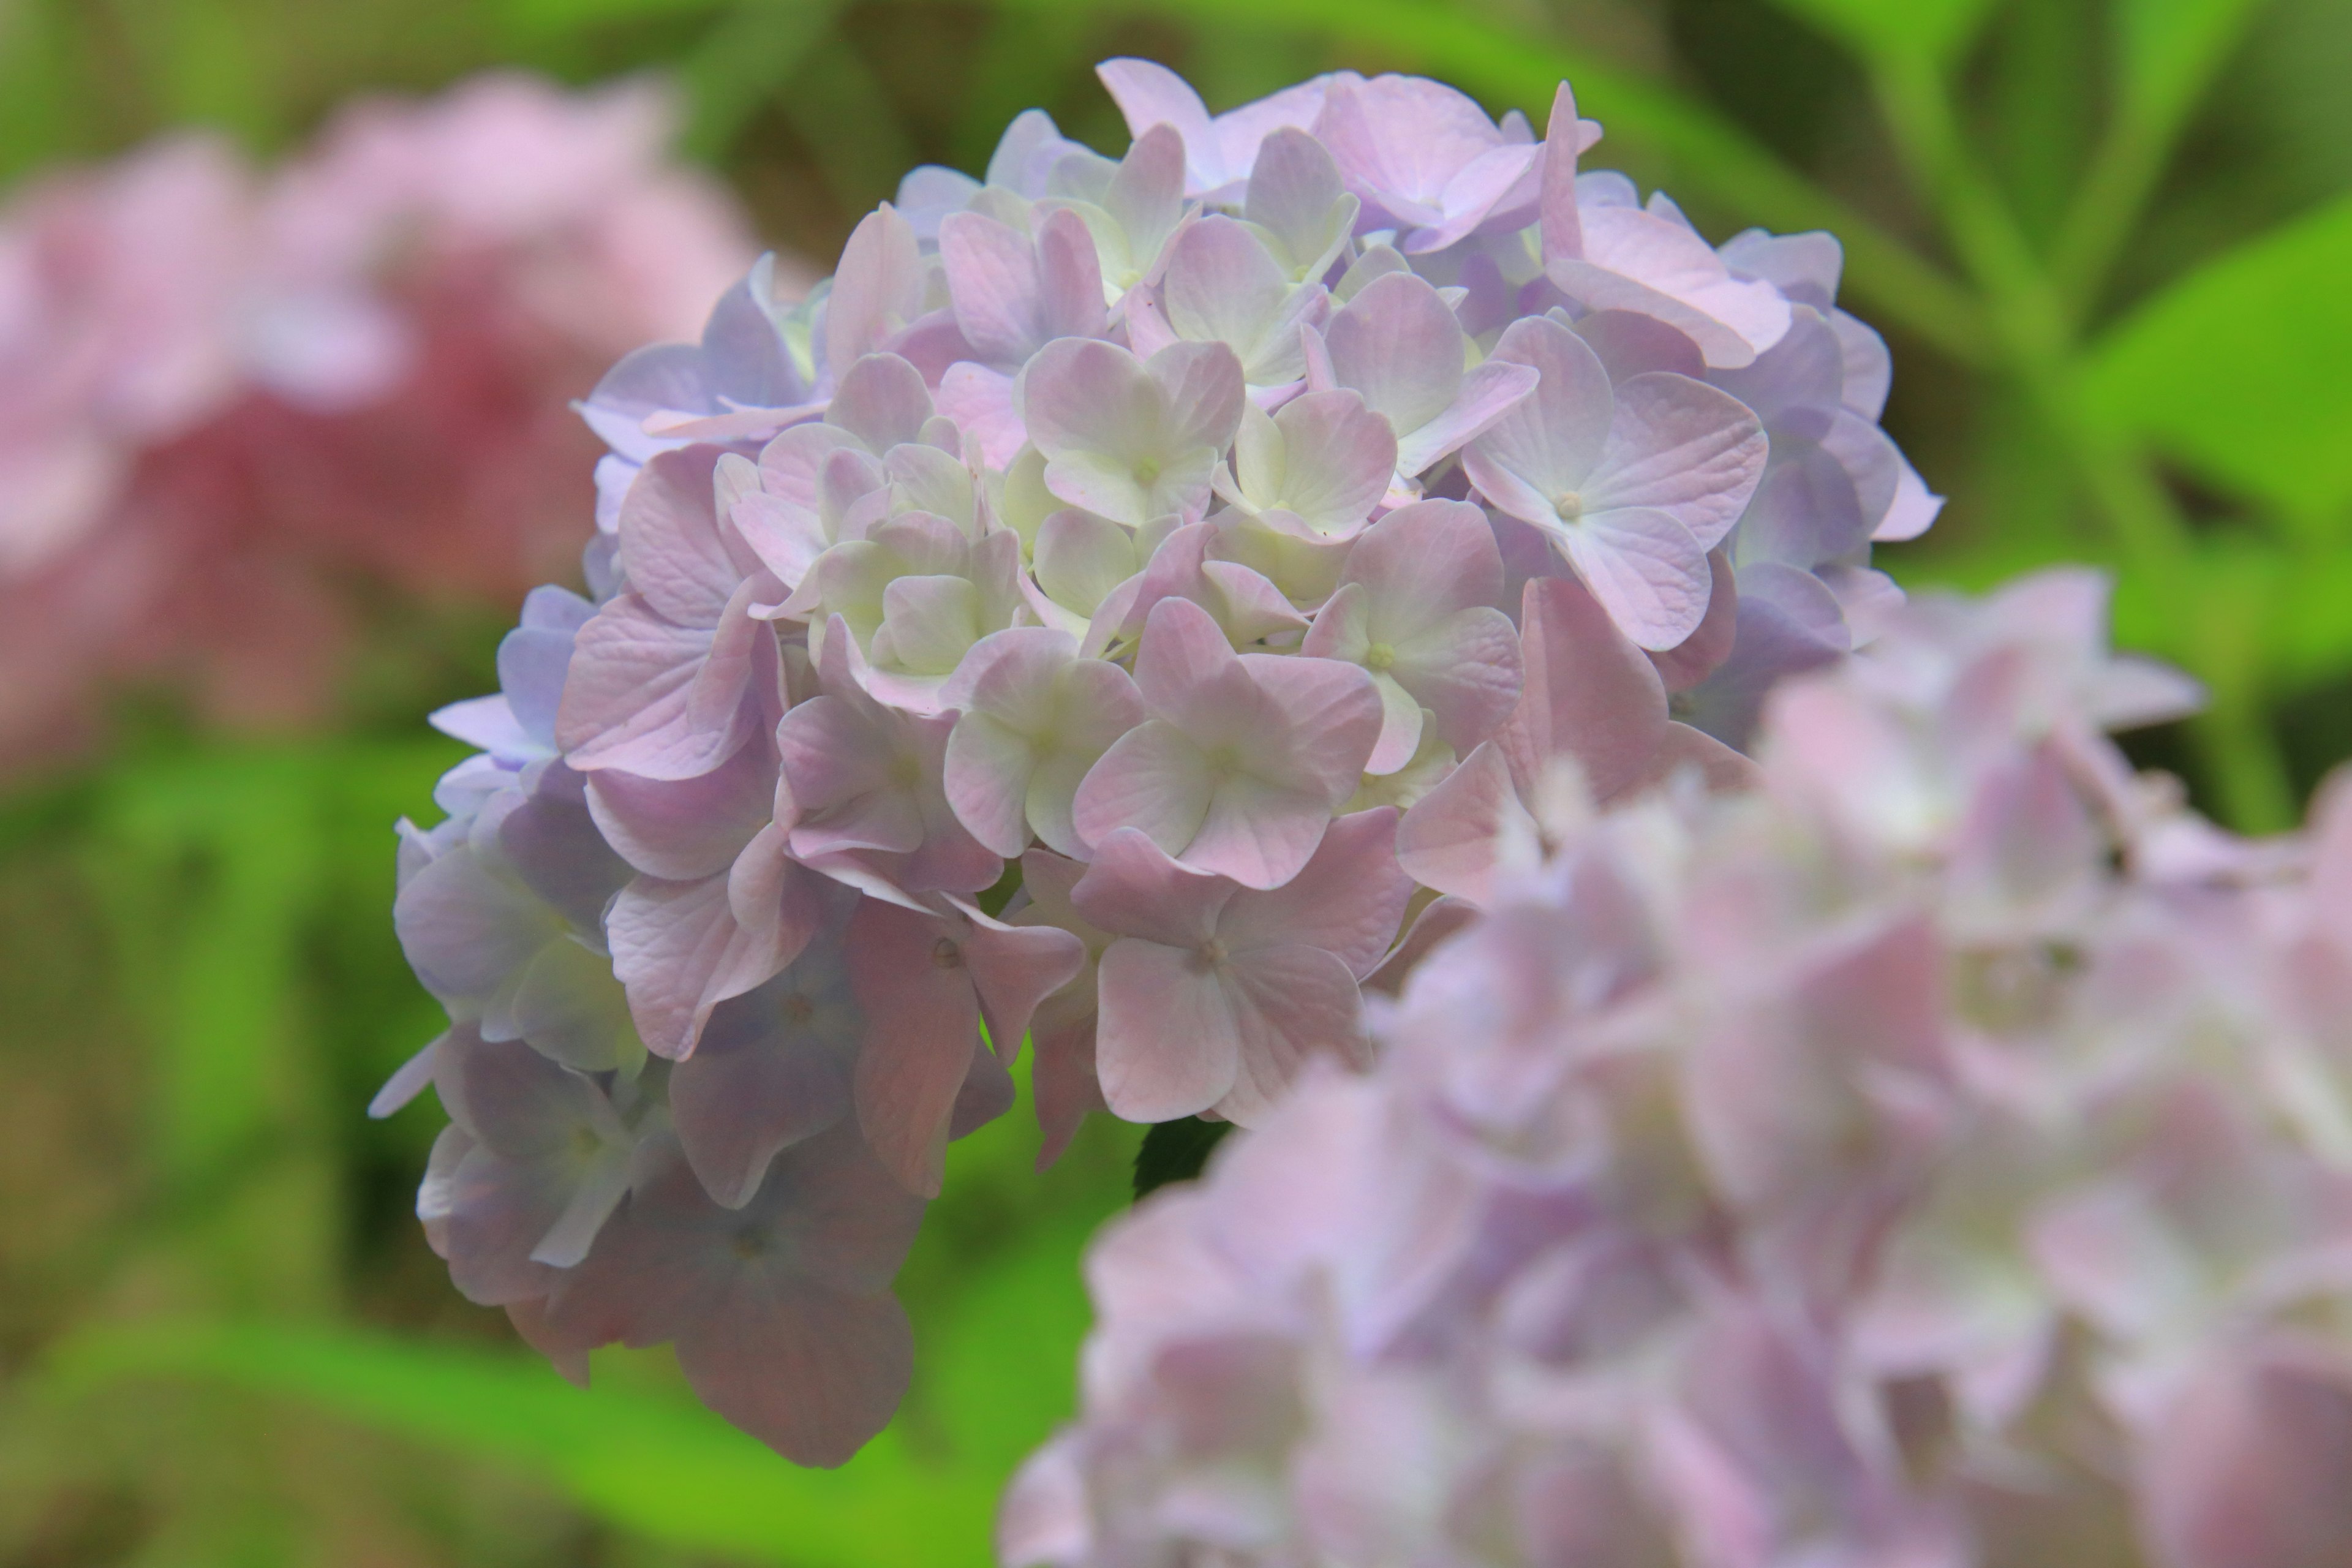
{"x":1167,"y":1043}
{"x":1287,"y":1004}
{"x":1590,"y":693}
{"x":881,"y":400}
{"x":1260,"y":833}
{"x":1014,"y":968}
{"x":680,"y":951}
{"x":1684,"y":448}
{"x":1448,"y":838}
{"x":877,"y":288}
{"x":922,"y":1016}
{"x":1348,"y":899}
{"x":1553,"y":441}
{"x":685,"y":829}
{"x":1134,"y":889}
{"x":1486,"y":394}
{"x":657,"y":698}
{"x":1148,"y":94}
{"x":1647,"y":571}
{"x":812,"y":1373}
{"x":1154,"y":779}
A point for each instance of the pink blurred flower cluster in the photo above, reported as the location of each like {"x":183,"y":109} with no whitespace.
{"x":1134,"y":604}
{"x":1940,"y":1154}
{"x":232,"y":395}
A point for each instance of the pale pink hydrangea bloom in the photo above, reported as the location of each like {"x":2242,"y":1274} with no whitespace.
{"x":1142,"y":605}
{"x":1918,"y":1159}
{"x":231,"y":391}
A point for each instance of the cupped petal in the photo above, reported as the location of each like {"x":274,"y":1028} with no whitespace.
{"x":679,"y":951}
{"x":674,"y":544}
{"x":1260,"y":831}
{"x":1683,"y":448}
{"x":1590,"y":693}
{"x":1167,"y":1043}
{"x":1348,"y":899}
{"x":909,"y":974}
{"x":876,"y":290}
{"x":1633,"y":259}
{"x":1288,"y":1004}
{"x":684,"y":830}
{"x":1014,"y":968}
{"x":1549,"y":443}
{"x":1487,"y":394}
{"x":1148,"y":94}
{"x":1154,"y":779}
{"x":772,"y":1069}
{"x":881,"y":401}
{"x":1135,"y":889}
{"x":1448,"y":839}
{"x":1398,"y":346}
{"x":1647,"y":571}
{"x":812,"y":1373}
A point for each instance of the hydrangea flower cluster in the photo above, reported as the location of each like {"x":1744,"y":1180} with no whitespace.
{"x":1102,"y":613}
{"x":1940,"y":1154}
{"x":227,"y":393}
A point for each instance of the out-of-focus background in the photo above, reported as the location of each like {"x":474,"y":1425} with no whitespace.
{"x":292,"y":298}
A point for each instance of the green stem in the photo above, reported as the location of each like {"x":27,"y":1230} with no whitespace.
{"x":2036,"y":330}
{"x":2122,"y":174}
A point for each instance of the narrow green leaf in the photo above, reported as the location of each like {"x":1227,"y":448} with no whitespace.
{"x":562,"y":16}
{"x":1937,"y":31}
{"x":650,"y":1463}
{"x":748,"y":58}
{"x":2238,"y":370}
{"x":2167,"y":50}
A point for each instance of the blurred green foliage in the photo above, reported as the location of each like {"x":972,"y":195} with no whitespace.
{"x":2109,"y":240}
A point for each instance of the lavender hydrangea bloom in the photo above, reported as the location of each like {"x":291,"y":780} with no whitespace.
{"x":1231,"y":541}
{"x":1934,"y":1156}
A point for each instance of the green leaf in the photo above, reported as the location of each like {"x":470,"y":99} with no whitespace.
{"x":2167,"y":50}
{"x":1176,"y":1151}
{"x":1936,"y":31}
{"x":1003,"y":1370}
{"x":562,"y":16}
{"x":2238,"y":370}
{"x":653,"y":1463}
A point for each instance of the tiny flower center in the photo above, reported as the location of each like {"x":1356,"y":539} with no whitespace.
{"x":1568,"y":504}
{"x":906,"y":770}
{"x":946,"y":954}
{"x":1379,"y":656}
{"x":798,"y":1009}
{"x":1208,"y":956}
{"x":1147,"y":472}
{"x":585,"y":1143}
{"x":748,"y":1244}
{"x":1223,"y":763}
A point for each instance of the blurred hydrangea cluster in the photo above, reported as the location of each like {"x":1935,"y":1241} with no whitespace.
{"x":231,"y":395}
{"x":1135,"y":604}
{"x":1940,"y":1154}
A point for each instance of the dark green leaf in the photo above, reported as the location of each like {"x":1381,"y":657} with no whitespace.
{"x":1176,"y":1151}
